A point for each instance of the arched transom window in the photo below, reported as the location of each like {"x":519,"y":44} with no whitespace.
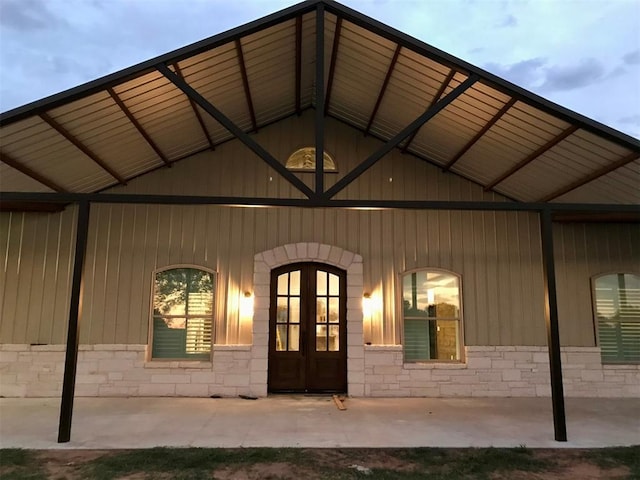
{"x":182,"y":314}
{"x":304,"y":160}
{"x":431,"y":316}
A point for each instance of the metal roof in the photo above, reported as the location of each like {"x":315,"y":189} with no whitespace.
{"x":377,"y":79}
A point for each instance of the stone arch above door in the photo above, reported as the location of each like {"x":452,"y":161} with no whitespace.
{"x":264,"y":262}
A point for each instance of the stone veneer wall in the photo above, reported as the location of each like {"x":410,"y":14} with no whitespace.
{"x":519,"y":371}
{"x":121,"y":370}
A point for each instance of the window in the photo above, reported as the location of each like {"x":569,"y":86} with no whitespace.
{"x":182,"y":314}
{"x":617,"y":312}
{"x":304,"y":160}
{"x":431,"y":314}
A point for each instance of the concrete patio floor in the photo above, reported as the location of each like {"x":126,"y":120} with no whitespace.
{"x":301,"y":421}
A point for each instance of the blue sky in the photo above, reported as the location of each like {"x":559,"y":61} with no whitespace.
{"x":582,"y":54}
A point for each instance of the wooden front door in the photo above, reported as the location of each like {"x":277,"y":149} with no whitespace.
{"x":308,"y":329}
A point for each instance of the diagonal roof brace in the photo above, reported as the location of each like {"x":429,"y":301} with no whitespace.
{"x":136,"y":124}
{"x":332,"y":64}
{"x":4,"y":158}
{"x":80,"y":146}
{"x":592,"y":176}
{"x":429,"y":113}
{"x":479,"y":135}
{"x":254,"y":146}
{"x":532,"y":156}
{"x":435,"y":99}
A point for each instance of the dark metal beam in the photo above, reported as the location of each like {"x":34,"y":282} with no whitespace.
{"x":62,"y":131}
{"x":479,"y":135}
{"x":431,"y":112}
{"x":13,"y":163}
{"x":592,"y":176}
{"x":245,"y":83}
{"x":332,"y":64}
{"x":75,"y":312}
{"x":383,"y":89}
{"x":435,"y":99}
{"x":532,"y":156}
{"x":196,"y":112}
{"x":551,"y":321}
{"x":254,"y":146}
{"x":133,"y":198}
{"x":298,"y":92}
{"x":136,"y":124}
{"x":320,"y":112}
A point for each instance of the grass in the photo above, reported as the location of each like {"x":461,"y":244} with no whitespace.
{"x":334,"y":464}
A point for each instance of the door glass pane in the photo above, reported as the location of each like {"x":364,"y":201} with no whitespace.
{"x":321,"y":286}
{"x":294,"y":310}
{"x":321,"y":310}
{"x":294,"y":283}
{"x":321,"y":338}
{"x":283,"y":284}
{"x":334,"y":310}
{"x":282,"y":312}
{"x":334,"y":338}
{"x":334,"y":284}
{"x":281,"y":338}
{"x":294,"y":338}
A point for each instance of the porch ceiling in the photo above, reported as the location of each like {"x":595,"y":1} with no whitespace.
{"x":376,"y":79}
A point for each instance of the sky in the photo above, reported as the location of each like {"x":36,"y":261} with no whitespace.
{"x":581,"y":54}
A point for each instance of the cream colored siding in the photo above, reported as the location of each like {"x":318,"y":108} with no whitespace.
{"x":497,"y":254}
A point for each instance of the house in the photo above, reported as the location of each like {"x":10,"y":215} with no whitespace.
{"x":238,"y":218}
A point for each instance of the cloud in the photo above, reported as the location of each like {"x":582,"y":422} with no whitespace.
{"x":630,"y":120}
{"x":508,"y":21}
{"x":632,"y":58}
{"x":526,"y":73}
{"x":571,"y":77}
{"x":27,"y":15}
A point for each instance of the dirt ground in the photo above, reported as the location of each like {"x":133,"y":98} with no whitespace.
{"x":564,"y":464}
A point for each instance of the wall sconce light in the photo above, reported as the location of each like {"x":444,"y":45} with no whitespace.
{"x":246,"y":305}
{"x":367,"y":307}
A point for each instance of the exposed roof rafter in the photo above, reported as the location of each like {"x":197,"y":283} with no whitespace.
{"x":298,"y":91}
{"x":592,"y":176}
{"x":429,"y":113}
{"x":234,"y":129}
{"x":479,"y":135}
{"x":13,"y":163}
{"x":80,"y":146}
{"x":434,"y":100}
{"x":532,"y":156}
{"x":196,"y":112}
{"x":136,"y":124}
{"x":245,"y":83}
{"x":383,"y":89}
{"x":332,"y":65}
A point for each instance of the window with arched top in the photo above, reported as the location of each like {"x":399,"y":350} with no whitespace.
{"x":432,"y":329}
{"x":182,"y":313}
{"x":304,"y":160}
{"x":617,"y":315}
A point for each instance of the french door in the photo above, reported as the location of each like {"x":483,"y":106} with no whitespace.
{"x":308,"y":329}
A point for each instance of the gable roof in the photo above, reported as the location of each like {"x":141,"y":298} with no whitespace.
{"x":376,"y":79}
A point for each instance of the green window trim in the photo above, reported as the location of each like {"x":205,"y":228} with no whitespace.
{"x":617,"y":317}
{"x":182,"y":314}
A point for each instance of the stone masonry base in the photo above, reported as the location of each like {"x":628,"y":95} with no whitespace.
{"x":122,"y":370}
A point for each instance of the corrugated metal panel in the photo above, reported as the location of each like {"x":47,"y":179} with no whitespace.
{"x":45,"y":151}
{"x":12,"y":180}
{"x":362,"y":62}
{"x":270,"y":60}
{"x":308,"y":55}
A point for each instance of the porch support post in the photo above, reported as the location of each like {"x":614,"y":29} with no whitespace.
{"x":320,"y":109}
{"x":75,"y":310}
{"x":551,"y":320}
